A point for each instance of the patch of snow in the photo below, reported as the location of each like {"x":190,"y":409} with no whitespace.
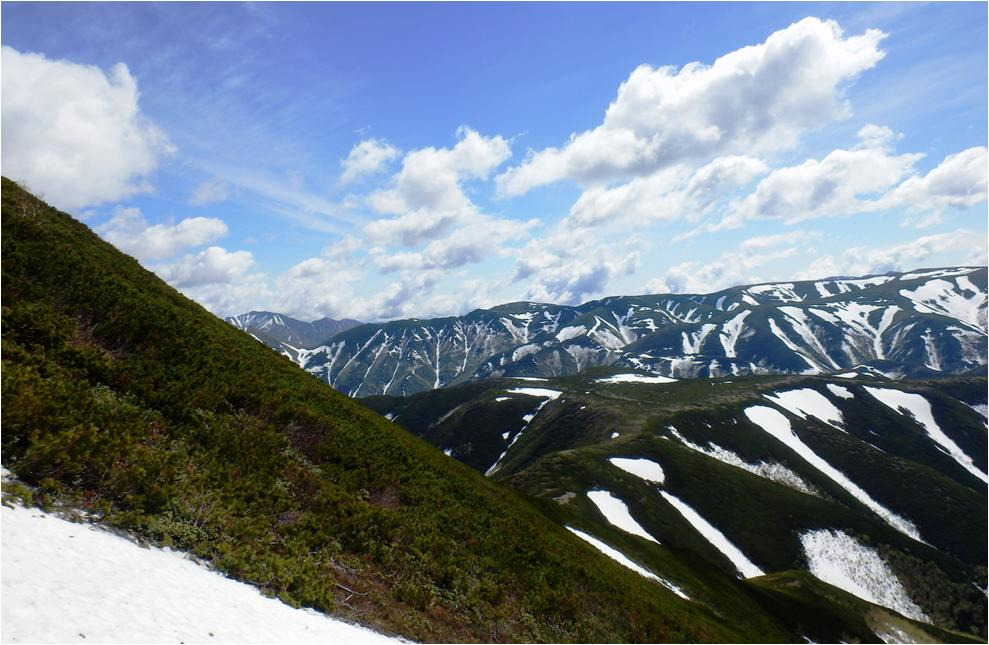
{"x":623,"y":560}
{"x":448,"y":452}
{"x":800,"y":323}
{"x":920,"y":409}
{"x":778,"y":426}
{"x":840,"y":560}
{"x":840,"y":391}
{"x":930,"y":349}
{"x":770,"y":470}
{"x":391,"y":416}
{"x":940,"y":297}
{"x":731,"y":331}
{"x":856,"y":316}
{"x":616,"y":512}
{"x":891,"y":634}
{"x":805,"y":401}
{"x":641,"y":468}
{"x":499,"y":399}
{"x":717,"y":539}
{"x":981,"y":408}
{"x":693,"y":342}
{"x":536,"y":391}
{"x":782,"y":291}
{"x":614,"y":435}
{"x":528,"y":378}
{"x":847,"y":375}
{"x":568,"y":333}
{"x":815,"y":367}
{"x":635,"y":378}
{"x":63,"y":582}
{"x":525,"y":350}
{"x":937,"y":273}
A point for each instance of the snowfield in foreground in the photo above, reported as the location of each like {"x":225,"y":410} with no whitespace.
{"x":74,"y":583}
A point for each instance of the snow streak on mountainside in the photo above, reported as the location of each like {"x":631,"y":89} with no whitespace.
{"x":917,"y":324}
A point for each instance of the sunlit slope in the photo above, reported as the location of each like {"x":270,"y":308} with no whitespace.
{"x":786,"y":470}
{"x":125,"y":398}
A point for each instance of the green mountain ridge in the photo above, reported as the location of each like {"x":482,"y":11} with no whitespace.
{"x":562,"y":453}
{"x":125,"y":399}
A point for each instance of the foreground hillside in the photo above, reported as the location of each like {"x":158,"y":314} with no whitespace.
{"x":875,"y":486}
{"x":921,"y":323}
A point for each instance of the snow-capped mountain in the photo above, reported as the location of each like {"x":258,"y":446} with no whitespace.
{"x":918,"y":323}
{"x":288,"y":335}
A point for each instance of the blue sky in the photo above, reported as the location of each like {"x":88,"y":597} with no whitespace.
{"x":394,"y":160}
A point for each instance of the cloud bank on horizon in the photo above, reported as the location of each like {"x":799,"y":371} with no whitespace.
{"x":754,"y":166}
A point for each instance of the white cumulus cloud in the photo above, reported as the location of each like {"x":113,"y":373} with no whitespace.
{"x":959,"y":181}
{"x":214,"y":265}
{"x":426,"y":196}
{"x":222,"y":281}
{"x":930,"y":250}
{"x":130,"y":232}
{"x":844,"y":182}
{"x":745,"y":265}
{"x":366,"y":158}
{"x":754,"y":99}
{"x":671,"y":193}
{"x":74,"y":133}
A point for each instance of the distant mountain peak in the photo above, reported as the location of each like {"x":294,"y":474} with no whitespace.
{"x":287,"y":335}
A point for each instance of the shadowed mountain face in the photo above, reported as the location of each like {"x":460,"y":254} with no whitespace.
{"x":920,"y":323}
{"x":288,"y":335}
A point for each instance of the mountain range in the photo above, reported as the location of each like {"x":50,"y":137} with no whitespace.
{"x":918,"y":323}
{"x":288,"y":335}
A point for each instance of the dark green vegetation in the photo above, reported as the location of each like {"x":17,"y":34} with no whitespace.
{"x":564,"y":452}
{"x":125,"y":399}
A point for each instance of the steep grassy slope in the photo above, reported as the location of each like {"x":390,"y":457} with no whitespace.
{"x":124,"y":398}
{"x":563,"y":453}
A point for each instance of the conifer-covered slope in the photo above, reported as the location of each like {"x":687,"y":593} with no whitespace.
{"x":797,"y":472}
{"x":126,"y":400}
{"x":919,"y":323}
